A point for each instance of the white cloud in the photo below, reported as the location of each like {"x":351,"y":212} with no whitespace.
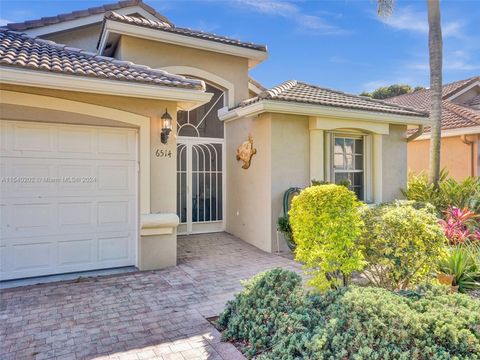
{"x":272,"y":7}
{"x":406,"y":19}
{"x":293,"y":12}
{"x":417,"y":21}
{"x":456,"y":60}
{"x":4,"y":22}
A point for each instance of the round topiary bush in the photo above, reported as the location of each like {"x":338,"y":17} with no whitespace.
{"x":326,"y":225}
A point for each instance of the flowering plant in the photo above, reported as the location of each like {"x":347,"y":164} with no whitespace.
{"x":460,"y":225}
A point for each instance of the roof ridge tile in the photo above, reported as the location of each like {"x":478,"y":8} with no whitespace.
{"x":277,"y":90}
{"x":379,"y":101}
{"x":167,"y":27}
{"x":25,"y":54}
{"x":300,"y":92}
{"x":76,"y":14}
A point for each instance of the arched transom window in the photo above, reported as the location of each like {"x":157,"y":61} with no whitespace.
{"x":203,"y":121}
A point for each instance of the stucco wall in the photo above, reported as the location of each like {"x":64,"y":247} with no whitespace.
{"x":159,"y":55}
{"x":85,"y":38}
{"x":283,"y":160}
{"x":290,"y":163}
{"x":455,"y":156}
{"x":248,"y":193}
{"x":394,"y":158}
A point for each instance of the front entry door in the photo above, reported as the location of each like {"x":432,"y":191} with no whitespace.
{"x":200,"y":184}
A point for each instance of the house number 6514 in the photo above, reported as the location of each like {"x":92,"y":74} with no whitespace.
{"x":163,"y":153}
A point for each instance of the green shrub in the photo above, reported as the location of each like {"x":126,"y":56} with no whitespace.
{"x":449,"y":193}
{"x":351,"y":323}
{"x":463,"y":264}
{"x":373,"y":323}
{"x":326,"y":224}
{"x":283,"y":225}
{"x":253,"y":316}
{"x":402,"y":243}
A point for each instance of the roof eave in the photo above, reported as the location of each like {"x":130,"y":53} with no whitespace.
{"x":185,"y":98}
{"x":462,"y":89}
{"x":467,"y":130}
{"x":295,"y":108}
{"x":115,"y":27}
{"x":84,"y":21}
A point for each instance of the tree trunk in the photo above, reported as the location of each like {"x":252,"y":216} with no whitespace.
{"x":435,"y":51}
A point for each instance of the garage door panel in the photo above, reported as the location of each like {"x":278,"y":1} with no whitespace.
{"x":28,"y":137}
{"x":114,"y":142}
{"x":68,"y":177}
{"x":114,"y":177}
{"x":114,"y":213}
{"x":32,"y":255}
{"x":76,"y":140}
{"x":45,"y":255}
{"x":28,"y":218}
{"x":3,"y":259}
{"x":78,"y":208}
{"x":36,"y":217}
{"x":76,"y":251}
{"x":113,"y":248}
{"x":75,"y":214}
{"x":43,"y":140}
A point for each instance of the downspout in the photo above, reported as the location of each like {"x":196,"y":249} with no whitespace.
{"x":472,"y":153}
{"x":416,"y":134}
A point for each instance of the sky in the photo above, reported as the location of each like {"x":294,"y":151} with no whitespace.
{"x":338,"y":44}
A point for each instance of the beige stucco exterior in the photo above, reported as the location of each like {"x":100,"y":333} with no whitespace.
{"x":232,"y":69}
{"x":157,"y":192}
{"x":458,"y":158}
{"x":292,"y":151}
{"x":85,"y":38}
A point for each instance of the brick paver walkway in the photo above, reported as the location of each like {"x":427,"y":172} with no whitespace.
{"x":140,"y":315}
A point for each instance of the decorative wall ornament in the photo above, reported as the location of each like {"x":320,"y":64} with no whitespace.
{"x":245,"y":152}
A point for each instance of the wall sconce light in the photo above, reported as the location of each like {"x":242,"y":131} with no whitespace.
{"x":166,"y":127}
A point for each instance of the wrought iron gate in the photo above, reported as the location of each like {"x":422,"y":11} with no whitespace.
{"x":200,"y":184}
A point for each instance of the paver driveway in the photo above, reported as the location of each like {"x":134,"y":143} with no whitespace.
{"x":140,"y":315}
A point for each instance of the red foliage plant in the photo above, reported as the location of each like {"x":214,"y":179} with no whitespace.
{"x":458,"y":225}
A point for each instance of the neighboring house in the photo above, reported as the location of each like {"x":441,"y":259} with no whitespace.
{"x":89,"y":178}
{"x":460,"y":150}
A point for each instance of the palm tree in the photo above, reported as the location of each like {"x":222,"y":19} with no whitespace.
{"x":435,"y":45}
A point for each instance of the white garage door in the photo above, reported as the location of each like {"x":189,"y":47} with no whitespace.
{"x":68,"y":198}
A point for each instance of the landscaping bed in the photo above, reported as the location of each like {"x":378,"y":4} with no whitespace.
{"x":421,"y":261}
{"x":274,"y":317}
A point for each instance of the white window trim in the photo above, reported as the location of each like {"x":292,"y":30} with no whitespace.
{"x":367,"y":159}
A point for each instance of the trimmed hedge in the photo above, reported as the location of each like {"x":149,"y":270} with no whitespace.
{"x":274,"y":318}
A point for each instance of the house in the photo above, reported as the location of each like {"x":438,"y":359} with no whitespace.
{"x":120,"y":130}
{"x":460,"y":149}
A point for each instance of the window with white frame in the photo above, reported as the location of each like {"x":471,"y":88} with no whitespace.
{"x":348,"y":162}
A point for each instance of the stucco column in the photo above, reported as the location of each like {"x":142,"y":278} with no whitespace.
{"x":158,"y":240}
{"x":317,"y":156}
{"x":163,"y":176}
{"x":377,"y":168}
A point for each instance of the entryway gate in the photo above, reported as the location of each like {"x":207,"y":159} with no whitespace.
{"x":200,"y":184}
